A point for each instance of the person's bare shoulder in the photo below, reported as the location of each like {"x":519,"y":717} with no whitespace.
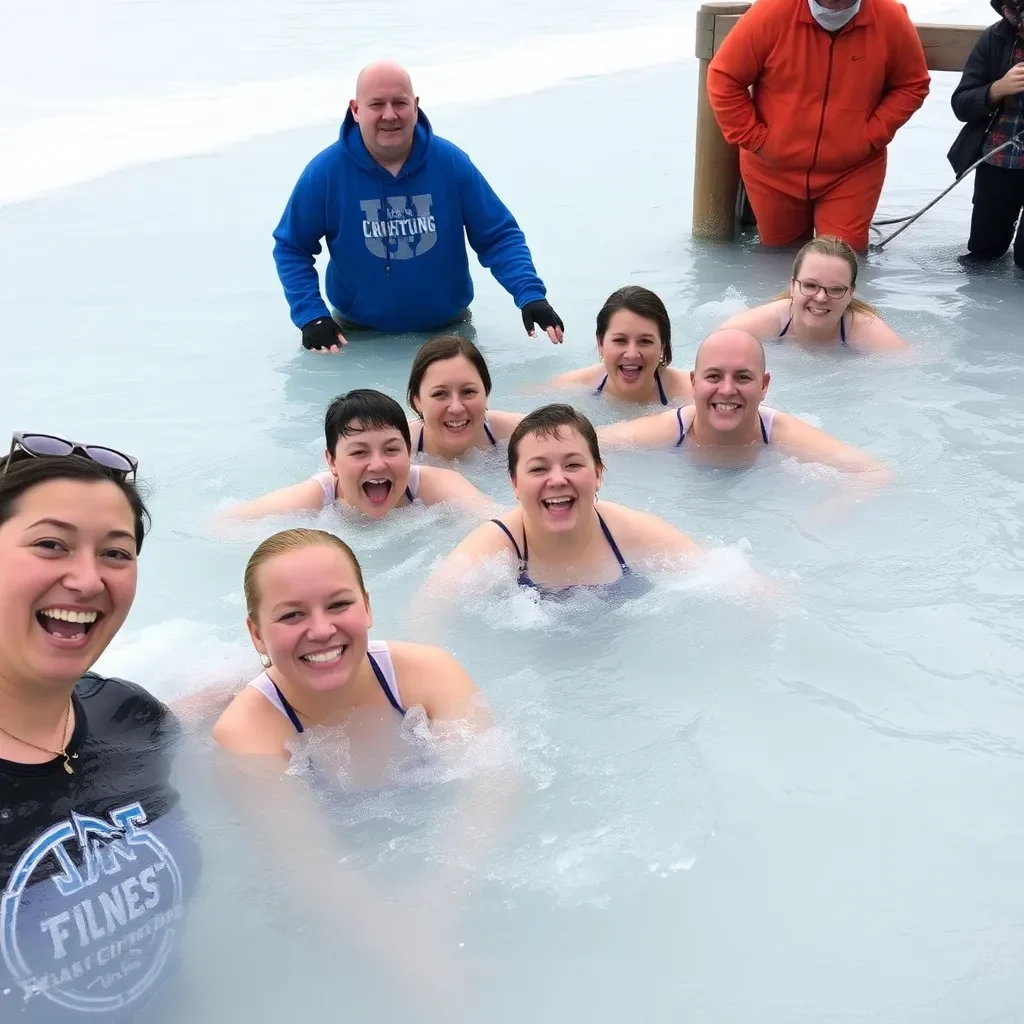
{"x":250,"y":724}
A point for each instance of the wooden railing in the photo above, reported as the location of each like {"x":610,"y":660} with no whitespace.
{"x":716,"y":170}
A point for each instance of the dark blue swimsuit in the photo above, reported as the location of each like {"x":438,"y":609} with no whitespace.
{"x":524,"y":554}
{"x":377,"y":671}
{"x":657,"y":380}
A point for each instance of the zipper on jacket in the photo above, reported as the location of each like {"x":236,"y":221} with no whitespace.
{"x":824,"y":104}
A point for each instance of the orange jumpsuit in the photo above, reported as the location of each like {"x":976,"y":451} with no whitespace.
{"x":813,"y":134}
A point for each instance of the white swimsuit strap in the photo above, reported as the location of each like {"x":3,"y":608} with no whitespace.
{"x":382,"y":656}
{"x":327,"y":486}
{"x":266,"y":686}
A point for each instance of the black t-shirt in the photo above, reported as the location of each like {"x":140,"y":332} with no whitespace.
{"x":96,"y":867}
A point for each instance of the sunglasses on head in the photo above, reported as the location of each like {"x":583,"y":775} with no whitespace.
{"x":45,"y":445}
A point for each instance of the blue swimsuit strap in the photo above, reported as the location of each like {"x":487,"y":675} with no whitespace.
{"x":682,"y":429}
{"x":611,"y":543}
{"x":378,"y":672}
{"x":288,"y":709}
{"x":661,"y":390}
{"x":524,"y":555}
{"x":842,"y":328}
{"x":657,"y":380}
{"x":521,"y":555}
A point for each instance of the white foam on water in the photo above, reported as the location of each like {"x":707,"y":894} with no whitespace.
{"x":87,"y":141}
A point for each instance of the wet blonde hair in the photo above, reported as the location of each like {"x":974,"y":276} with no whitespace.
{"x":280,"y":544}
{"x":829,"y":245}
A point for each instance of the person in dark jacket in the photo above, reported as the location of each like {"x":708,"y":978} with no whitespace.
{"x":990,"y":98}
{"x":397,"y":204}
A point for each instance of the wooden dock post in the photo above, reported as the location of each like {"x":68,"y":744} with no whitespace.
{"x":716,"y":166}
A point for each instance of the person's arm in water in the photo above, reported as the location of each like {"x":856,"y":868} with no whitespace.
{"x":872,"y":332}
{"x":296,"y":246}
{"x":447,"y":485}
{"x":307,"y":496}
{"x":658,"y":431}
{"x":906,"y":82}
{"x":429,"y":677}
{"x":462,"y":573}
{"x":587,"y":377}
{"x":796,"y":437}
{"x":761,"y":321}
{"x":501,"y":246}
{"x":503,"y":423}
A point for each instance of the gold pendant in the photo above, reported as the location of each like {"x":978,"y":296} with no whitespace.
{"x":67,"y":765}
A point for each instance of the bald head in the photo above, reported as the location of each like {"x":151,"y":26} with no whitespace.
{"x":387,"y":112}
{"x":382,"y":74}
{"x":732,"y":347}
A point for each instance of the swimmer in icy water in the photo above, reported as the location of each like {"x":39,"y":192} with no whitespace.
{"x":449,"y":385}
{"x":85,"y":759}
{"x":369,"y":467}
{"x":727,"y":423}
{"x":309,"y":617}
{"x":820,"y":308}
{"x":634,"y":345}
{"x":560,"y":536}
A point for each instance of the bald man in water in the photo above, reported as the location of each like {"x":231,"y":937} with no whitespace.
{"x":396,"y":204}
{"x":727,"y":423}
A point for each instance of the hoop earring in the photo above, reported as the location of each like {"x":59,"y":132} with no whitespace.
{"x":265,"y":660}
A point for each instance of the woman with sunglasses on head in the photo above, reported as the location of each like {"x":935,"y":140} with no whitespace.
{"x":634,"y":346}
{"x":820,"y":308}
{"x":96,"y":860}
{"x":449,"y":385}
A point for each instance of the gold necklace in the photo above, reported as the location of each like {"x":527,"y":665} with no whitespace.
{"x":68,"y":758}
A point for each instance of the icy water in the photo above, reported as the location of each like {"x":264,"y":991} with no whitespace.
{"x":700,"y":806}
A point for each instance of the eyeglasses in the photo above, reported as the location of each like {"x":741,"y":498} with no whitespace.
{"x":46,"y":445}
{"x":812,"y":288}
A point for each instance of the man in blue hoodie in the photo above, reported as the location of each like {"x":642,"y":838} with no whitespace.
{"x":396,"y":204}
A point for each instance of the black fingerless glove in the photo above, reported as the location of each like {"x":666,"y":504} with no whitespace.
{"x":320,"y":334}
{"x":539,"y":312}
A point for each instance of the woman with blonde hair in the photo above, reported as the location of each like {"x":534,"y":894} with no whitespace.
{"x":820,"y":307}
{"x":309,"y":618}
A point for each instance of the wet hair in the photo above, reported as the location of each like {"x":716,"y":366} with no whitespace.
{"x":372,"y":410}
{"x":20,"y":473}
{"x":829,"y":245}
{"x":446,"y":346}
{"x":283,"y":542}
{"x":641,"y":302}
{"x":548,"y":421}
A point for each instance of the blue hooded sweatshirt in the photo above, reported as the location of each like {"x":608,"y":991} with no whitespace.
{"x":398,"y":258}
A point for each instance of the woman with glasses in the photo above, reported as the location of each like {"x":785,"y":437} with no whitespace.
{"x":820,"y":308}
{"x":96,"y":860}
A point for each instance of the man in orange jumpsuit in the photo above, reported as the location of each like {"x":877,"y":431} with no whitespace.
{"x":833,"y":81}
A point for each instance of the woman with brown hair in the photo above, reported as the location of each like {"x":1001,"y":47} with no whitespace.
{"x":634,"y":348}
{"x":449,"y":385}
{"x":820,"y":307}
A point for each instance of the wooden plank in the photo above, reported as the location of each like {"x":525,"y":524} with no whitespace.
{"x":946,"y":47}
{"x":709,"y":33}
